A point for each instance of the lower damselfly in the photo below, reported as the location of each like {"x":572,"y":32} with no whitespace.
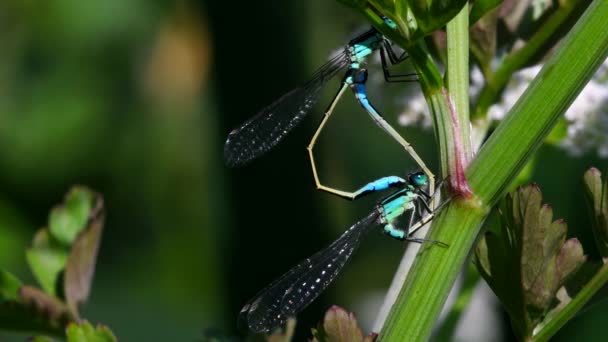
{"x":293,"y":291}
{"x":268,"y":127}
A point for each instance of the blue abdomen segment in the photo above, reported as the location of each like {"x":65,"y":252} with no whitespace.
{"x":379,"y":185}
{"x":393,"y":232}
{"x":361,"y":95}
{"x":360,"y":92}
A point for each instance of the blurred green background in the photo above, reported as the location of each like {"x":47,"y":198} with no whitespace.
{"x":135,"y":98}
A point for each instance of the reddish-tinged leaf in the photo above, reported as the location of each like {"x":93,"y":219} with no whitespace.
{"x":528,"y":261}
{"x":44,"y":305}
{"x":80,"y":266}
{"x":597,"y":202}
{"x":283,"y":336}
{"x":341,"y":325}
{"x":570,"y":258}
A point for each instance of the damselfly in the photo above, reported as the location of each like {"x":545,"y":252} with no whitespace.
{"x":293,"y":291}
{"x":266,"y":129}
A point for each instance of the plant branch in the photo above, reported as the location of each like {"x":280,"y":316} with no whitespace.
{"x":581,"y":298}
{"x":518,"y":58}
{"x":451,"y":119}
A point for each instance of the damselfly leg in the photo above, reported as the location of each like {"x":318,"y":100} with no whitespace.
{"x":356,"y":79}
{"x":386,"y":51}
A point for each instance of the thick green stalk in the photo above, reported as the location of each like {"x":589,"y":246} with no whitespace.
{"x":458,"y":77}
{"x":451,"y":117}
{"x":434,"y":271}
{"x":562,"y":317}
{"x":446,"y":331}
{"x":455,"y":153}
{"x":432,"y":86}
{"x":492,"y":171}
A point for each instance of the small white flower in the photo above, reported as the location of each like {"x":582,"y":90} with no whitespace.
{"x":588,"y":120}
{"x":415,"y":110}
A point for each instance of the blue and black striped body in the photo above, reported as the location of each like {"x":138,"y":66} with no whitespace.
{"x":394,"y":206}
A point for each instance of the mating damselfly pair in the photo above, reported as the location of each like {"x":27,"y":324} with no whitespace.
{"x":293,"y":291}
{"x":413,"y":198}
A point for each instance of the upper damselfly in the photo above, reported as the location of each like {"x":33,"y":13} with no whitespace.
{"x":268,"y":127}
{"x":293,"y":291}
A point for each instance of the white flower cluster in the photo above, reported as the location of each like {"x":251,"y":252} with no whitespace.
{"x":587,"y":117}
{"x":415,"y":110}
{"x":513,"y":91}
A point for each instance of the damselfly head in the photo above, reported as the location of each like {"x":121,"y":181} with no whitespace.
{"x":418,"y":179}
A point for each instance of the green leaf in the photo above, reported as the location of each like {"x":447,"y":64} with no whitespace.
{"x":63,"y":265}
{"x":9,"y":286}
{"x":533,"y":261}
{"x":85,"y":332}
{"x":47,"y":263}
{"x":67,"y":220}
{"x":481,"y":7}
{"x":570,"y":258}
{"x":340,"y":325}
{"x":418,"y":18}
{"x":81,"y":261}
{"x":597,"y":202}
{"x":432,"y":15}
{"x":34,"y":311}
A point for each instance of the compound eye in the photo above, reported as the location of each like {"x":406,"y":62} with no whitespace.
{"x":419,"y":179}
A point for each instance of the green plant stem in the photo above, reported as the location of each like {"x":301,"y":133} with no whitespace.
{"x":434,"y":92}
{"x":564,"y":315}
{"x":518,"y":58}
{"x":433,"y":274}
{"x":492,"y":171}
{"x":18,"y":318}
{"x":451,"y":115}
{"x":458,"y":77}
{"x":450,"y":323}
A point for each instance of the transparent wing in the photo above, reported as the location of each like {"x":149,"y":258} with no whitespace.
{"x":293,"y":291}
{"x":268,"y":127}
